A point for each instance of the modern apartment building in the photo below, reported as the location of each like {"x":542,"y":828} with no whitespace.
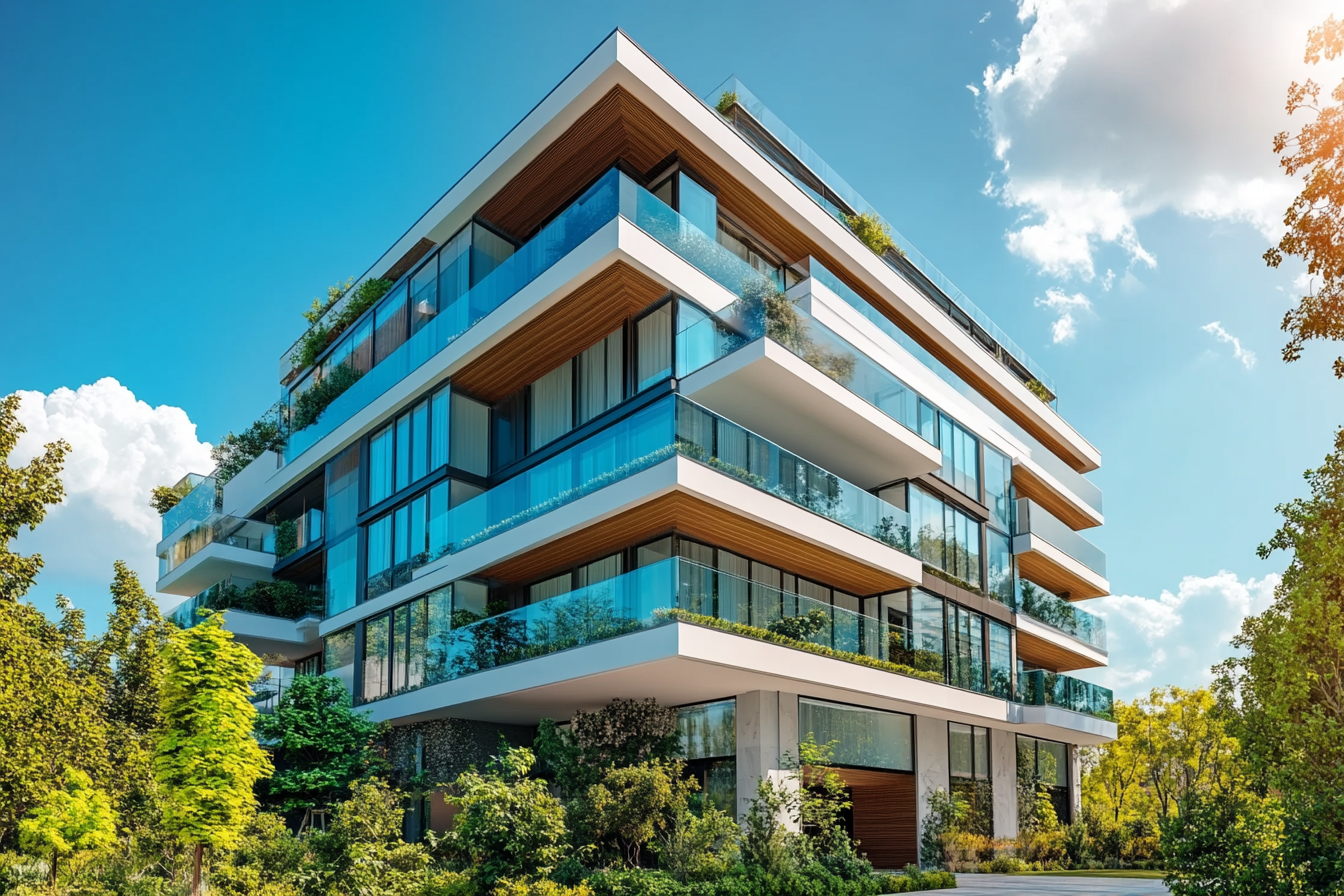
{"x":641,"y":416}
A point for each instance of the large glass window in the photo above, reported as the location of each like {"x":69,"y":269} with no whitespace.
{"x":411,"y":535}
{"x":470,"y":435}
{"x":338,"y":657}
{"x":867,"y":738}
{"x":945,"y":537}
{"x":381,"y":464}
{"x":917,"y":630}
{"x":455,"y":268}
{"x":1042,"y":769}
{"x":968,"y":765}
{"x":342,"y":559}
{"x":488,"y":251}
{"x":999,"y":489}
{"x":377,"y":671}
{"x":342,"y":492}
{"x":1000,"y":660}
{"x":961,"y":457}
{"x":653,"y":342}
{"x":965,"y":648}
{"x":709,"y":744}
{"x":389,"y":324}
{"x":999,"y":567}
{"x":552,"y":408}
{"x":601,"y":376}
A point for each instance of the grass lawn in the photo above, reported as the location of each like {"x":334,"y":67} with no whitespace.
{"x":1104,"y":872}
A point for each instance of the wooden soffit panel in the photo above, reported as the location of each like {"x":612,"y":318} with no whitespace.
{"x":579,"y":321}
{"x":702,"y":521}
{"x":1038,"y":568}
{"x":1037,"y":651}
{"x":1029,"y":485}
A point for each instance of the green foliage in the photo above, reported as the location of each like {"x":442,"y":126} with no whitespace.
{"x":623,"y":733}
{"x":799,"y":628}
{"x":700,"y":847}
{"x":873,"y":232}
{"x":50,"y":708}
{"x":319,"y":744}
{"x":311,"y":403}
{"x":364,"y":853}
{"x":25,"y":493}
{"x":282,"y":598}
{"x":509,"y":826}
{"x":822,"y":802}
{"x":77,"y":818}
{"x":761,"y":634}
{"x":320,"y":334}
{"x":235,"y":452}
{"x":634,"y":804}
{"x":541,"y":887}
{"x":164,"y":498}
{"x":1230,"y":845}
{"x":944,"y":814}
{"x":727,"y":100}
{"x":1314,"y":221}
{"x":766,"y":843}
{"x":1040,"y":390}
{"x":207,"y":761}
{"x":268,"y":860}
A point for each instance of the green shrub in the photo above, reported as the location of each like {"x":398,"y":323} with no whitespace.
{"x":873,"y":232}
{"x":727,"y":100}
{"x":1003,"y":865}
{"x":539,"y":887}
{"x":268,"y":859}
{"x":310,"y":404}
{"x":799,"y":628}
{"x":321,"y":333}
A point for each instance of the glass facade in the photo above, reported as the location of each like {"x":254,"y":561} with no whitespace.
{"x":865,"y":738}
{"x":945,"y":537}
{"x":961,"y":457}
{"x":968,"y":767}
{"x":709,"y":746}
{"x":1042,"y":768}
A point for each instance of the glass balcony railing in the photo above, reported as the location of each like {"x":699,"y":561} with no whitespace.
{"x":1070,"y":478}
{"x":711,"y":338}
{"x":1038,"y":687}
{"x":627,"y":603}
{"x":801,"y":164}
{"x":582,"y":219}
{"x":1045,"y":607}
{"x":199,"y":503}
{"x":1033,"y":519}
{"x":670,"y":426}
{"x":227,"y":530}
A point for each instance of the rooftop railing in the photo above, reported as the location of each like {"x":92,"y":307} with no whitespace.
{"x":199,"y":503}
{"x":801,"y":164}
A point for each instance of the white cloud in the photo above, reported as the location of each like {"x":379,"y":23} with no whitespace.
{"x":1245,"y":356}
{"x":975,"y":91}
{"x":985,"y":18}
{"x":1117,"y":109}
{"x":1176,"y":638}
{"x":1064,"y":329}
{"x":120,"y":449}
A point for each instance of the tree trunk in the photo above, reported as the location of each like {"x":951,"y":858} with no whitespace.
{"x":55,"y":857}
{"x":196,"y":870}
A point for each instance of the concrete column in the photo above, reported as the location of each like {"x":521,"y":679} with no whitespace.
{"x":767,"y":727}
{"x":931,"y":771}
{"x":1003,"y":774}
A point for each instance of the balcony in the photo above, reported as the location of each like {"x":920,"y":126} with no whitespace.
{"x":1055,"y":634}
{"x":669,"y":426}
{"x":1059,"y":614}
{"x":293,"y":537}
{"x":670,"y":590}
{"x":197,"y":506}
{"x":214,"y":550}
{"x":1056,"y":557}
{"x":1038,"y":687}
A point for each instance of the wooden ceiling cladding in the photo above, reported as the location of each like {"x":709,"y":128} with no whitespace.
{"x":702,"y":521}
{"x":1036,"y":651}
{"x":1028,"y":485}
{"x":578,"y":321}
{"x":1036,"y":568}
{"x":619,"y":127}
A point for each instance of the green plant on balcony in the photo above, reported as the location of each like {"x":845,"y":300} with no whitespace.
{"x":235,"y":451}
{"x":164,"y":498}
{"x":287,"y":600}
{"x":286,"y":538}
{"x":799,"y":628}
{"x":873,"y":232}
{"x":727,"y":100}
{"x":321,"y":333}
{"x":767,"y":310}
{"x":310,"y":404}
{"x":1039,"y":389}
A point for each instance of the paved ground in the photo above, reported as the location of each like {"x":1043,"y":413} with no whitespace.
{"x":1021,"y":885}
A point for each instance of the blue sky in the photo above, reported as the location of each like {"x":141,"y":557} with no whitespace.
{"x":180,"y":180}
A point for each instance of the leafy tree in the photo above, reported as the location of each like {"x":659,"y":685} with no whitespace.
{"x":1230,"y":845}
{"x":25,"y":493}
{"x":623,"y":733}
{"x":75,"y":818}
{"x":320,"y":744}
{"x":1114,"y":775}
{"x":235,"y":452}
{"x":51,"y":714}
{"x":1315,"y":219}
{"x":509,"y":826}
{"x":700,"y":847}
{"x":364,"y":849}
{"x":635,"y":804}
{"x":1182,"y":738}
{"x":766,"y":843}
{"x":268,"y":861}
{"x":207,"y":760}
{"x":822,"y":800}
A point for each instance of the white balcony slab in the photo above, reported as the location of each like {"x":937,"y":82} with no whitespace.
{"x":680,"y":663}
{"x":1081,"y":655}
{"x":1055,"y":570}
{"x":290,"y":638}
{"x":211,"y":564}
{"x":773,"y":392}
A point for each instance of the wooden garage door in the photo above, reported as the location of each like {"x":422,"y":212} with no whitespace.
{"x":884,"y":816}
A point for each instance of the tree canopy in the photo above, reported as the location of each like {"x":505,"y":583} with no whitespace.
{"x":25,"y":493}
